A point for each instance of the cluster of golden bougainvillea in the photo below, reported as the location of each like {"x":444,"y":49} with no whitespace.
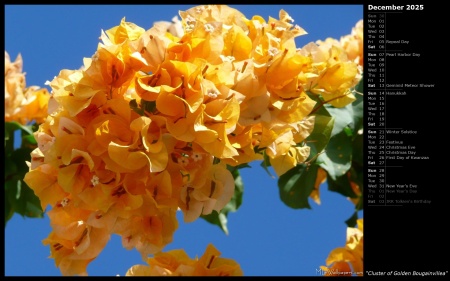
{"x":178,"y":263}
{"x":352,"y":44}
{"x":150,"y":122}
{"x":348,"y":260}
{"x":22,"y":104}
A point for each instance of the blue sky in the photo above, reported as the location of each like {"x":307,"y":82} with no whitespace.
{"x":266,"y":237}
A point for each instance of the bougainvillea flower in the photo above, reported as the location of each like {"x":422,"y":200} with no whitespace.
{"x":335,"y":82}
{"x":149,"y":228}
{"x":353,"y":44}
{"x":338,"y":268}
{"x":283,"y":152}
{"x":335,"y":74}
{"x":291,"y":63}
{"x":237,"y":44}
{"x":36,"y":105}
{"x":73,"y":242}
{"x":178,"y":263}
{"x":207,"y":13}
{"x":172,"y":263}
{"x":296,"y":155}
{"x":98,"y":194}
{"x":174,"y":27}
{"x":23,"y":104}
{"x":148,"y":87}
{"x":214,"y":194}
{"x":321,"y":178}
{"x":74,"y":176}
{"x":110,"y":67}
{"x":44,"y":141}
{"x":212,"y":127}
{"x":143,"y":151}
{"x":211,"y":264}
{"x":108,"y":128}
{"x":124,"y":31}
{"x":152,"y":45}
{"x":185,"y":94}
{"x":14,"y":86}
{"x":43,"y":180}
{"x":340,"y":259}
{"x":72,"y":91}
{"x":242,"y":139}
{"x":255,"y":110}
{"x":303,"y":128}
{"x":204,"y":27}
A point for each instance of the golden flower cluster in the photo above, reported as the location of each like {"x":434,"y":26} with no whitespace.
{"x":352,"y":44}
{"x":150,"y":122}
{"x":348,"y":260}
{"x":22,"y":104}
{"x":178,"y":263}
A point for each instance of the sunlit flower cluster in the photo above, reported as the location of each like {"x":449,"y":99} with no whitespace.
{"x":22,"y":104}
{"x":150,"y":122}
{"x":343,"y":61}
{"x":178,"y":263}
{"x":347,"y":260}
{"x":352,"y":44}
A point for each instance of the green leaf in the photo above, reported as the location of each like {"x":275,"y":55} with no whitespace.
{"x":358,"y":108}
{"x":35,"y":126}
{"x":351,"y":221}
{"x":357,"y":174}
{"x":10,"y":193}
{"x":20,"y":156}
{"x":240,"y":166}
{"x":236,"y":200}
{"x":319,"y":102}
{"x":27,"y":204}
{"x":13,"y":126}
{"x":9,"y":211}
{"x":19,"y":198}
{"x":10,"y":129}
{"x":297,"y":184}
{"x":220,"y":219}
{"x":350,"y":116}
{"x":149,"y":106}
{"x":358,"y":150}
{"x":29,"y":139}
{"x":343,"y":118}
{"x":337,"y":158}
{"x":341,"y":185}
{"x":320,"y":136}
{"x":9,"y":138}
{"x":360,"y":205}
{"x":265,"y":164}
{"x":360,"y":86}
{"x":134,"y":106}
{"x":10,"y":168}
